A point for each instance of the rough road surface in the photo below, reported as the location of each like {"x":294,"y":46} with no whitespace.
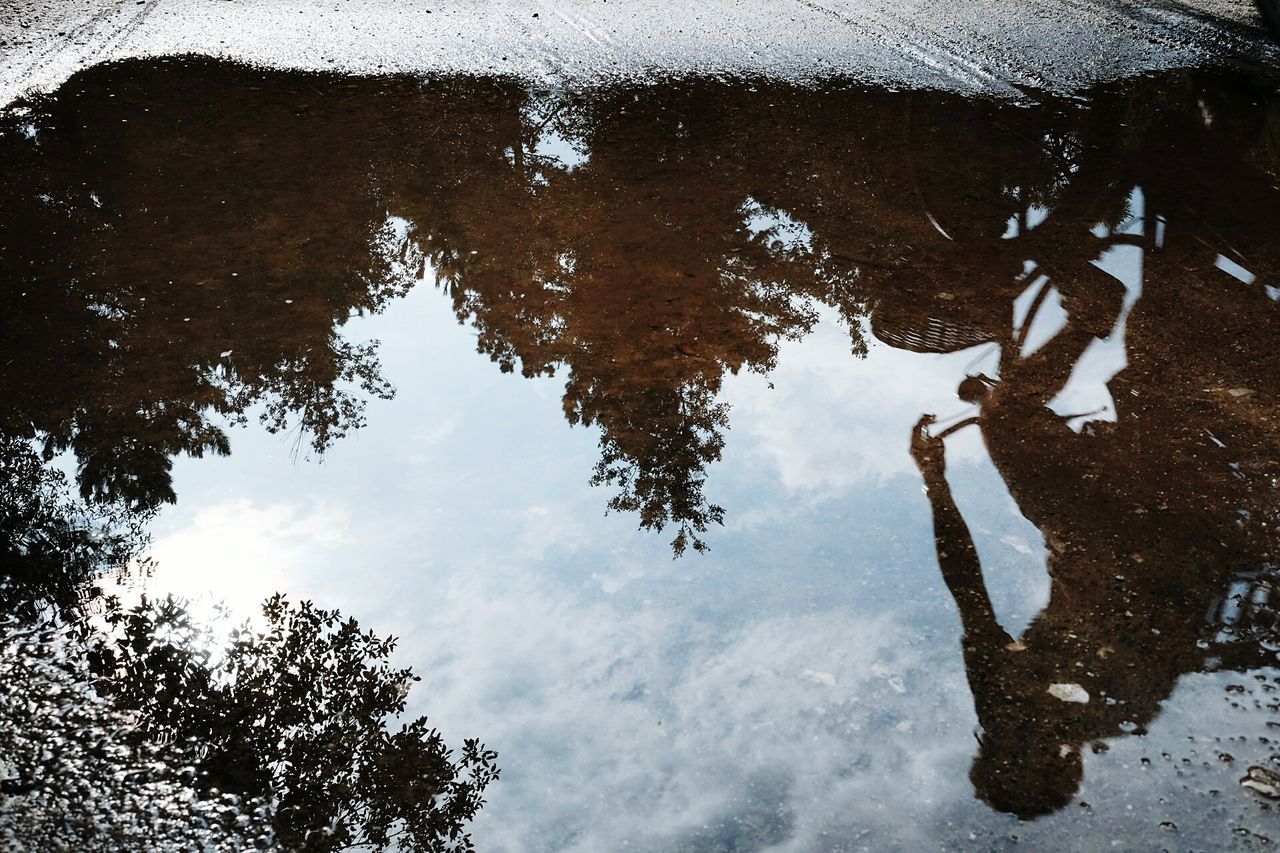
{"x":992,"y":46}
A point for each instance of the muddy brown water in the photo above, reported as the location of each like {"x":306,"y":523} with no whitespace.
{"x":959,"y":417}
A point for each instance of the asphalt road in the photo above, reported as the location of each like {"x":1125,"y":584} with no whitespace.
{"x":991,"y":46}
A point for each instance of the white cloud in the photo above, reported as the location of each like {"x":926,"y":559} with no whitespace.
{"x":244,"y":550}
{"x":832,"y":422}
{"x":624,"y":726}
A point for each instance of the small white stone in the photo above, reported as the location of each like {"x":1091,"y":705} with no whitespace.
{"x":1069,"y":693}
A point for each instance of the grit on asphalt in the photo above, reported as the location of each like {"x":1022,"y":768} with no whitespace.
{"x":982,"y":46}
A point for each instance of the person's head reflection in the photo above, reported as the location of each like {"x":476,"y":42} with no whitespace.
{"x":1024,"y":772}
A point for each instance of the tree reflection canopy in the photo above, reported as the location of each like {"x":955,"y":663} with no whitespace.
{"x":295,"y":713}
{"x":140,"y":728}
{"x":182,"y":240}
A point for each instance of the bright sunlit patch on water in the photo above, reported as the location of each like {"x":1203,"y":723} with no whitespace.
{"x":243,"y":550}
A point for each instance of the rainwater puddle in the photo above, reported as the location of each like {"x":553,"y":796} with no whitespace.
{"x":750,"y":466}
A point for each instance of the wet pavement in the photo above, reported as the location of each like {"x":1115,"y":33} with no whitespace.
{"x":992,"y":47}
{"x":751,"y":465}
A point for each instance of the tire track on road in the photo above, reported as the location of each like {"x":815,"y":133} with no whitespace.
{"x":943,"y":59}
{"x":82,"y":44}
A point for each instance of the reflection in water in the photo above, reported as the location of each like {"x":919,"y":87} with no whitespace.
{"x":204,"y":212}
{"x":182,"y":241}
{"x":1148,"y":517}
{"x":134,"y":731}
{"x":52,"y":546}
{"x":133,"y":727}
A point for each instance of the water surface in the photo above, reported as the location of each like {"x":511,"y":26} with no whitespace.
{"x":958,"y":417}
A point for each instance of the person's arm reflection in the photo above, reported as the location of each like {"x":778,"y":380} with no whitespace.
{"x":957,"y":556}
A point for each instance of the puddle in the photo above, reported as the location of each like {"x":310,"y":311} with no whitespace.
{"x":748,"y":465}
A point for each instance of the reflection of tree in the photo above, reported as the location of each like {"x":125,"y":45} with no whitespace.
{"x":77,"y":775}
{"x":158,"y":275}
{"x":635,"y":273}
{"x":199,"y":258}
{"x":131,"y":727}
{"x":281,"y":737}
{"x":169,"y":269}
{"x":295,"y":714}
{"x":669,"y":291}
{"x":52,"y":547}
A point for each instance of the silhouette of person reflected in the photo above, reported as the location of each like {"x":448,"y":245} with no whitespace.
{"x":1141,"y":544}
{"x":1034,"y":712}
